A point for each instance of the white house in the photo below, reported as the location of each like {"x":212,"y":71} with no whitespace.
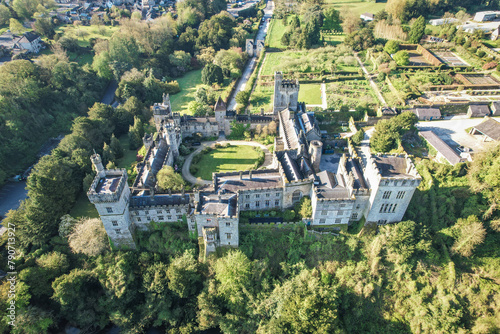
{"x":30,"y":41}
{"x":367,"y":17}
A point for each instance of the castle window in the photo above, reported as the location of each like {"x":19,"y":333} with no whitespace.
{"x":109,"y":209}
{"x":386,"y":182}
{"x":148,"y":218}
{"x":277,"y":202}
{"x":277,"y":194}
{"x":322,"y":221}
{"x":209,"y":220}
{"x":390,"y":208}
{"x":161,"y":218}
{"x":114,"y":222}
{"x":136,"y":213}
{"x":338,"y":221}
{"x":228,"y":224}
{"x":168,"y":211}
{"x":401,"y":194}
{"x":267,"y":203}
{"x":179,"y":216}
{"x":247,"y":206}
{"x":268,"y":194}
{"x":358,"y":206}
{"x":147,"y":212}
{"x":387,"y":194}
{"x":297,"y":195}
{"x":404,"y":183}
{"x":354,"y":215}
{"x":169,"y":217}
{"x":158,"y":211}
{"x":247,"y":196}
{"x":257,"y":195}
{"x":383,"y":208}
{"x":257,"y":204}
{"x":118,"y":231}
{"x":138,"y":219}
{"x":228,"y":235}
{"x":342,"y":205}
{"x":324,"y":213}
{"x":394,"y":208}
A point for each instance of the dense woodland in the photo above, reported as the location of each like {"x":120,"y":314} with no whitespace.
{"x":435,"y":272}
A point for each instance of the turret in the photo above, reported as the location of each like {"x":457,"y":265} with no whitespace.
{"x":97,"y":162}
{"x":315,"y":151}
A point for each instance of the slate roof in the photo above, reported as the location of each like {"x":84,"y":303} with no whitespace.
{"x":331,"y":186}
{"x":157,"y":200}
{"x":291,"y":136}
{"x":427,"y":112}
{"x":29,"y":36}
{"x":439,"y":145}
{"x":489,"y":128}
{"x":260,"y":179}
{"x":220,"y":105}
{"x":391,"y":166}
{"x":495,"y":108}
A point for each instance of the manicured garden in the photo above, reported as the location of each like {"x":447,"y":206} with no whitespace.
{"x":350,"y":93}
{"x":226,"y":159}
{"x":310,"y":93}
{"x":83,"y":34}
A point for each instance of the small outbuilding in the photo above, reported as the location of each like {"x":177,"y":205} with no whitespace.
{"x":444,"y":151}
{"x":495,"y":108}
{"x":427,"y":114}
{"x":367,"y":17}
{"x":478,"y":110}
{"x":488,"y":130}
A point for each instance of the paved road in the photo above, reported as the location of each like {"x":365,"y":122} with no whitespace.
{"x":372,"y":83}
{"x":247,"y":72}
{"x":268,"y":160}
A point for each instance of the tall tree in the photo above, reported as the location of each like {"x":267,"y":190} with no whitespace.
{"x":417,"y":30}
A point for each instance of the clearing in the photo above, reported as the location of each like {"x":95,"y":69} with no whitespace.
{"x":310,"y":93}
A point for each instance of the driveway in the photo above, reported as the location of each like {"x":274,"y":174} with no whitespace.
{"x":268,"y":158}
{"x":453,"y":132}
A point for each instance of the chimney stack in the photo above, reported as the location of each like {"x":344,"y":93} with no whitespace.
{"x":241,"y":175}
{"x":250,"y":174}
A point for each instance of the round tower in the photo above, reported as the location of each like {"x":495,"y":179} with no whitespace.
{"x":97,"y":162}
{"x":315,"y":150}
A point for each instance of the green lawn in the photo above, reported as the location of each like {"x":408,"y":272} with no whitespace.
{"x":310,"y":93}
{"x":129,"y":156}
{"x":357,"y":7}
{"x":333,"y":39}
{"x":276,"y":30}
{"x":226,"y":159}
{"x":83,"y":208}
{"x":84,"y":33}
{"x":262,"y":97}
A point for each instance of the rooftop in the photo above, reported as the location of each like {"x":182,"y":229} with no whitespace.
{"x":479,"y":109}
{"x":108,"y":184}
{"x":225,"y":205}
{"x":489,"y":128}
{"x":392,"y":166}
{"x":331,"y":186}
{"x":157,"y":199}
{"x":439,"y":145}
{"x":231,"y":182}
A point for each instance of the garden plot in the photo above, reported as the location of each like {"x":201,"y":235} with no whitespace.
{"x":416,"y":59}
{"x":350,"y":93}
{"x":450,"y":59}
{"x":480,"y":79}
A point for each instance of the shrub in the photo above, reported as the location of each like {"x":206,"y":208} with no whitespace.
{"x":481,"y":53}
{"x":402,"y":58}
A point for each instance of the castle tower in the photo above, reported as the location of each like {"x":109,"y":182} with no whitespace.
{"x":110,"y":194}
{"x":315,"y":150}
{"x":173,"y":138}
{"x":286,"y":93}
{"x":97,"y":162}
{"x":220,"y":109}
{"x":166,"y":101}
{"x":161,"y":112}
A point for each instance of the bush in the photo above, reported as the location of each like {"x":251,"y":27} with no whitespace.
{"x":481,"y":53}
{"x":402,"y":58}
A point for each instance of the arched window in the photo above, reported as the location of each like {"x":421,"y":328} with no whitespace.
{"x":297,"y":195}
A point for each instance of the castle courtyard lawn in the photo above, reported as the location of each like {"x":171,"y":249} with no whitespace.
{"x":226,"y":159}
{"x":310,"y":93}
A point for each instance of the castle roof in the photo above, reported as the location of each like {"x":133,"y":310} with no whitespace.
{"x":220,"y":105}
{"x":158,"y":200}
{"x":231,"y":182}
{"x":288,"y":125}
{"x":225,"y":205}
{"x":392,"y":166}
{"x":331,"y":186}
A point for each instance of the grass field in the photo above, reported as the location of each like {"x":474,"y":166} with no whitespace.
{"x":262,"y":97}
{"x":276,"y":30}
{"x":357,"y":7}
{"x":333,"y":39}
{"x":84,"y":33}
{"x":226,"y":159}
{"x":310,"y":93}
{"x":83,"y":208}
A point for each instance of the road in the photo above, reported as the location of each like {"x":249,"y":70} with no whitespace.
{"x":372,"y":83}
{"x":247,"y":72}
{"x":13,"y":193}
{"x":268,"y":160}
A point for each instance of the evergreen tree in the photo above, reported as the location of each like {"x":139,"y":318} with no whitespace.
{"x":417,"y":30}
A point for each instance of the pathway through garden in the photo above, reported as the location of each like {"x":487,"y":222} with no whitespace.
{"x":372,"y":83}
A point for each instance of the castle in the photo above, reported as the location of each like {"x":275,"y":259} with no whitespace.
{"x":342,"y":189}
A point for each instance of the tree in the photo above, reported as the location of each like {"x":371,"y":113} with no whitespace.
{"x":4,"y":14}
{"x":331,"y":20}
{"x":304,"y":207}
{"x":184,"y":276}
{"x":80,"y":297}
{"x":391,"y":47}
{"x":25,"y":8}
{"x":402,"y":58}
{"x":212,"y":74}
{"x":107,"y":154}
{"x":358,"y":137}
{"x":89,"y":237}
{"x":468,"y":234}
{"x":242,"y":97}
{"x":301,"y":304}
{"x":417,"y":30}
{"x":350,"y":23}
{"x":44,"y":26}
{"x":16,"y":27}
{"x":33,"y":320}
{"x":116,"y":147}
{"x":360,"y":39}
{"x":484,"y":177}
{"x":169,"y":180}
